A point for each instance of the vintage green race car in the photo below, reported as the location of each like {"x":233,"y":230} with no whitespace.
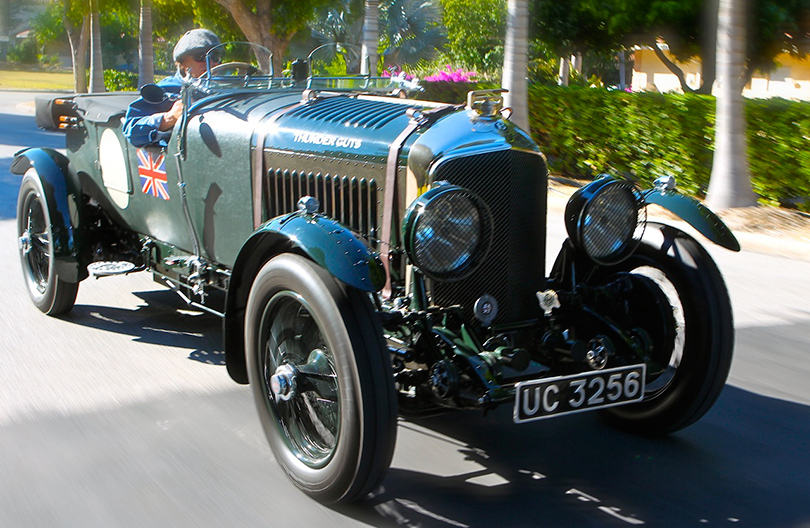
{"x":378,"y":255}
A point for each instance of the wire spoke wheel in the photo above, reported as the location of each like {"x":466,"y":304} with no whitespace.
{"x":309,"y":411}
{"x":35,"y":240}
{"x":321,"y":379}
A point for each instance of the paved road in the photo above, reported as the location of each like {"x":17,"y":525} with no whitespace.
{"x":121,"y":414}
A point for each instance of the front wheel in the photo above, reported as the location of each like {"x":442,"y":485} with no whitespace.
{"x":682,"y":305}
{"x":35,"y":239}
{"x":321,"y":379}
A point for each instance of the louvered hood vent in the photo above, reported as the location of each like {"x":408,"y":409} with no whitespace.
{"x":348,"y":112}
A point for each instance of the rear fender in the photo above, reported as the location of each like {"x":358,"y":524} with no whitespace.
{"x":63,"y":199}
{"x":325,"y":241}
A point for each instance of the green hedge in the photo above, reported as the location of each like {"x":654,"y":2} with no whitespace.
{"x":779,"y":150}
{"x":585,"y":132}
{"x":120,"y":81}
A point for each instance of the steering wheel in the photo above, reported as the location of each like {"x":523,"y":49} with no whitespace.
{"x":234,"y":68}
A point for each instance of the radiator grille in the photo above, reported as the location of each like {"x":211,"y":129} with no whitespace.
{"x":350,"y":200}
{"x":513,"y":184}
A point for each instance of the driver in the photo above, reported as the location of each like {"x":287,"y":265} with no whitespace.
{"x":151,"y":123}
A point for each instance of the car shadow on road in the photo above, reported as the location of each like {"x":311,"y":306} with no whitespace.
{"x":746,"y":463}
{"x":162,"y":319}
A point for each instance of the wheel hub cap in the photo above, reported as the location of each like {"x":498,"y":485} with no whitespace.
{"x":282,"y":383}
{"x":25,"y":243}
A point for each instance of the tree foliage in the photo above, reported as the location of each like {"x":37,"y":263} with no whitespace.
{"x":272,"y":23}
{"x":47,"y":25}
{"x":475,"y":32}
{"x":574,"y":26}
{"x":171,"y":19}
{"x":410,"y":30}
{"x":687,"y":27}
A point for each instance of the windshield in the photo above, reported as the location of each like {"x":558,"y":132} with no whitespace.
{"x":333,"y":67}
{"x":238,"y":65}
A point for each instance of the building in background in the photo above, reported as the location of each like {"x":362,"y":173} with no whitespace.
{"x":790,"y":80}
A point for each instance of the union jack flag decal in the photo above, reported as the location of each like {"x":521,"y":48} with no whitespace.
{"x":152,"y":170}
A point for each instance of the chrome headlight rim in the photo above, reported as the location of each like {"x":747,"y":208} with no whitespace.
{"x":466,"y":240}
{"x":606,"y":219}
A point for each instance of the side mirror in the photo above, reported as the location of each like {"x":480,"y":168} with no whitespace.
{"x":152,"y":93}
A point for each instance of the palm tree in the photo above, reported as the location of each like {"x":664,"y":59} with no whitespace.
{"x":730,"y":184}
{"x":515,"y":61}
{"x":146,"y":57}
{"x":96,"y":64}
{"x":334,"y":28}
{"x":413,"y":29}
{"x":371,"y":36}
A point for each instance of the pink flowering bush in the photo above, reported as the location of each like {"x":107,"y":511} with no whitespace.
{"x":397,"y":72}
{"x":448,"y":75}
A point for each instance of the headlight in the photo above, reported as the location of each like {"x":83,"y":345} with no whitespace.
{"x":606,"y":219}
{"x":447,"y":232}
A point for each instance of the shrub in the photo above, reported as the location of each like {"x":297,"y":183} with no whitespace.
{"x":49,"y":61}
{"x":779,"y":150}
{"x":120,"y":81}
{"x":446,"y":91}
{"x":450,"y":75}
{"x":449,"y":85}
{"x":585,"y":132}
{"x":24,"y":53}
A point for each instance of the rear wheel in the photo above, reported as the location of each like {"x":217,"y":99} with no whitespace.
{"x":682,"y":308}
{"x":48,"y":292}
{"x":320,"y":378}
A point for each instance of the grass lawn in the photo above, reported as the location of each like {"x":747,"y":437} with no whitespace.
{"x":35,"y":80}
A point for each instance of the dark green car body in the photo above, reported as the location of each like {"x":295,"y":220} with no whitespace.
{"x":430,"y":219}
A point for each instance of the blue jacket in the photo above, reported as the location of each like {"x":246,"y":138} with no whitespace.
{"x":143,"y":118}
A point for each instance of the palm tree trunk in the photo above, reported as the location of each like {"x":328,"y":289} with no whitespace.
{"x":146,"y":56}
{"x":78,"y":38}
{"x":371,"y":38}
{"x":515,"y":61}
{"x":96,"y":64}
{"x":730,"y":184}
{"x":565,"y":71}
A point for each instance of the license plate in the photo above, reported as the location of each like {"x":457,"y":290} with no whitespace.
{"x":546,"y":398}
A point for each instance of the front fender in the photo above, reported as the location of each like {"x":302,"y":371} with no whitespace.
{"x":325,"y":241}
{"x":696,"y":214}
{"x":333,"y":246}
{"x":63,"y":199}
